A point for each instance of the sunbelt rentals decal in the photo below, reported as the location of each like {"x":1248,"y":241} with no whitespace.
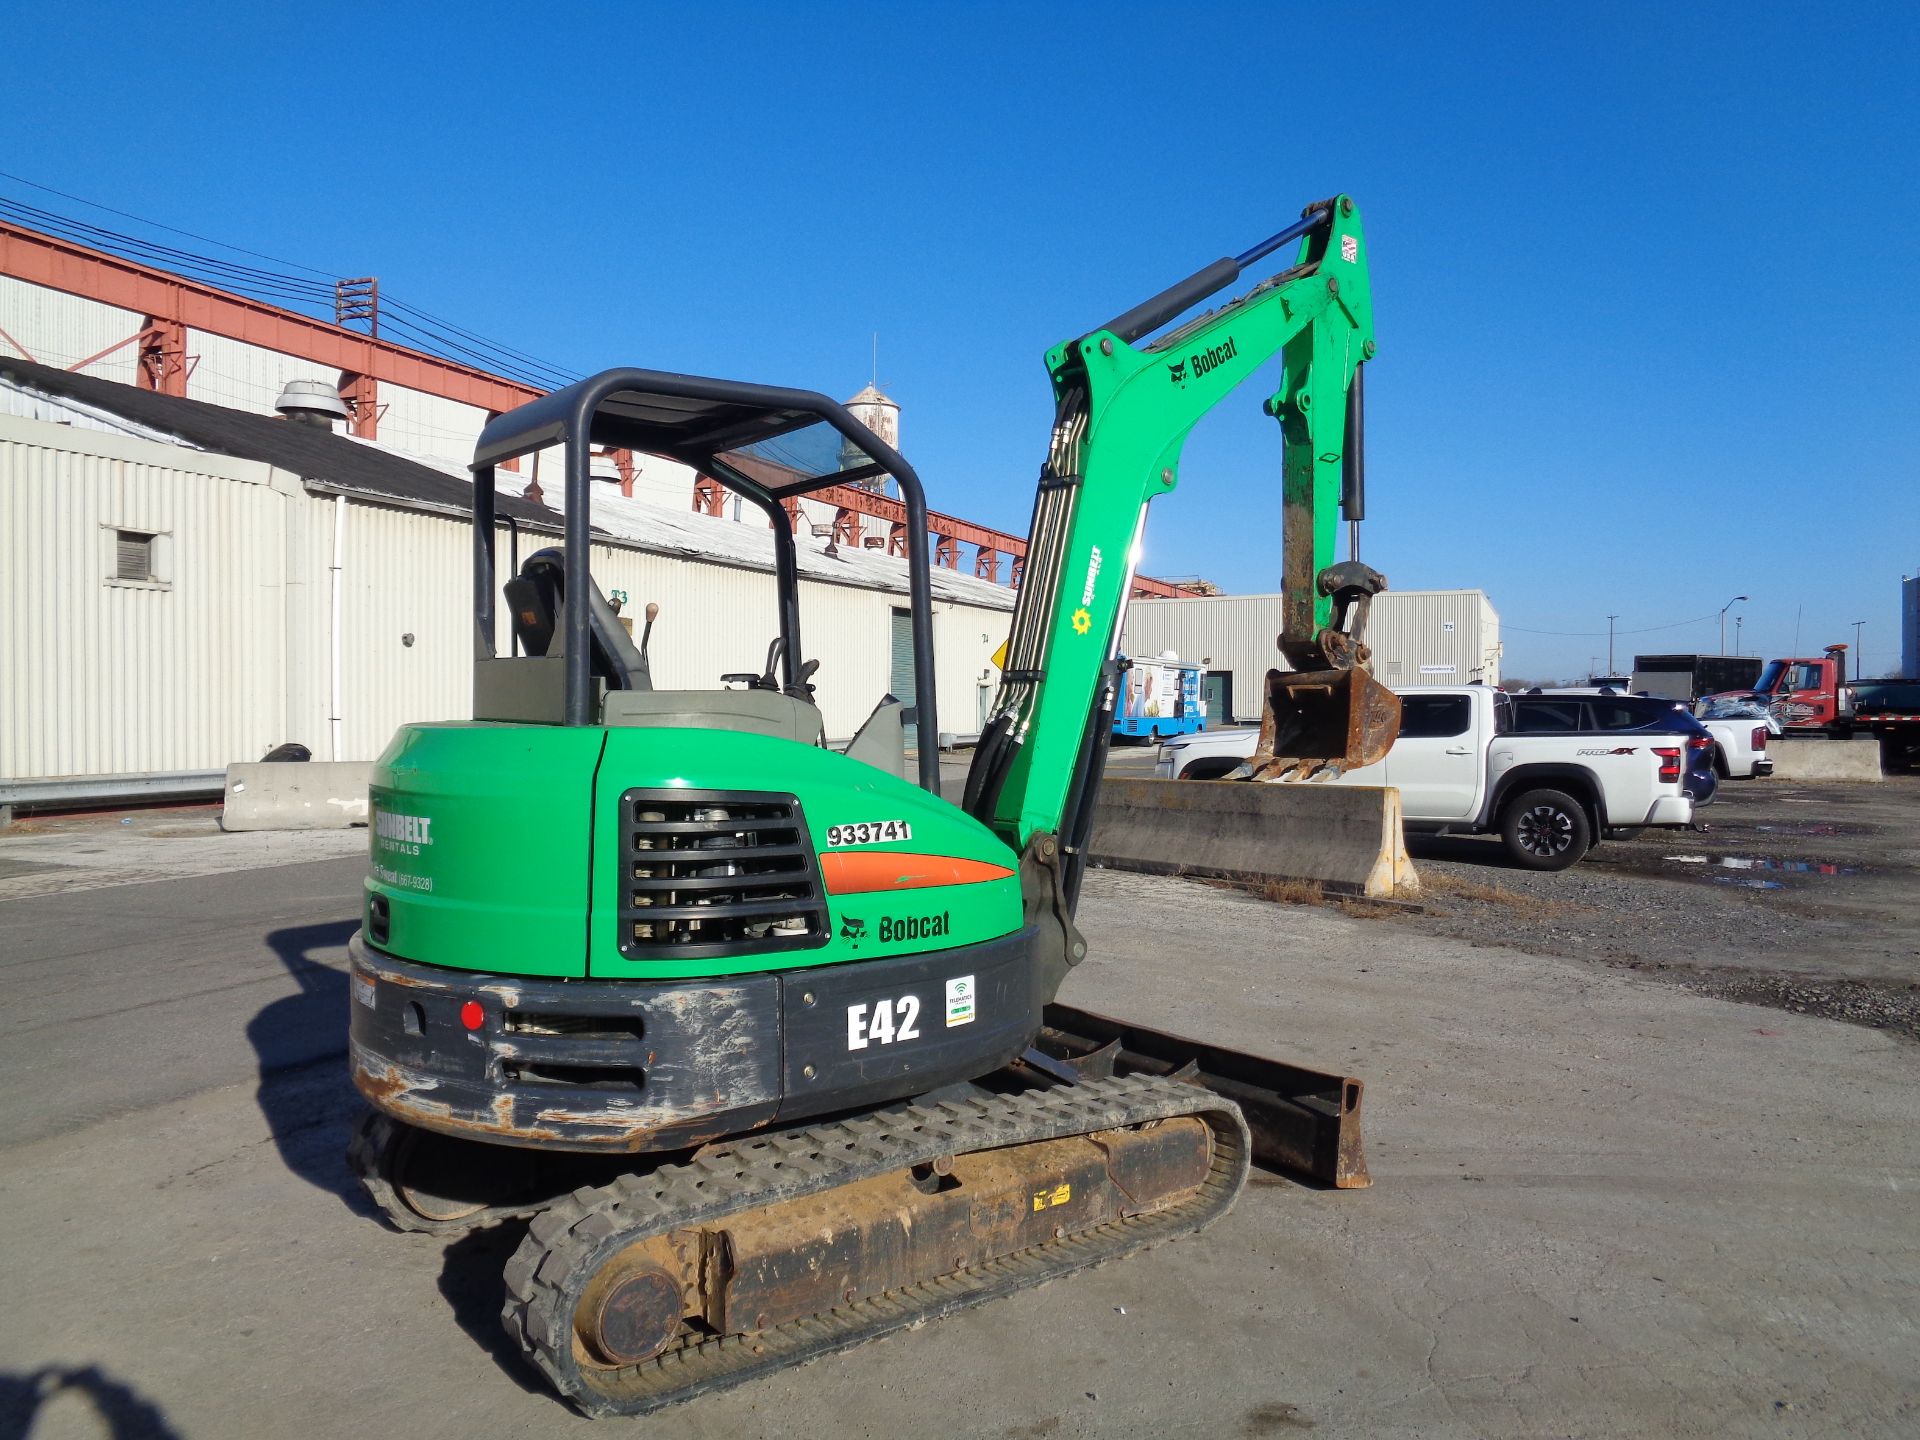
{"x":396,"y":836}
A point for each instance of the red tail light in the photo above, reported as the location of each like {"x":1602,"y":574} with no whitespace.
{"x":1669,"y":762}
{"x":1759,"y":737}
{"x":1699,"y":742}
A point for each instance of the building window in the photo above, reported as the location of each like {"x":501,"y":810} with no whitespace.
{"x":133,"y":555}
{"x":136,"y":559}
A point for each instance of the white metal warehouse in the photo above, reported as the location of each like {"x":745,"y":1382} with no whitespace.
{"x":1419,"y":637}
{"x":184,"y":585}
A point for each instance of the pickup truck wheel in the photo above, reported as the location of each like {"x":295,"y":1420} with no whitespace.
{"x":1214,"y":769}
{"x":1545,"y":829}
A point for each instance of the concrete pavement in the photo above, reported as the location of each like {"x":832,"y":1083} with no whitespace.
{"x":1601,"y":1206}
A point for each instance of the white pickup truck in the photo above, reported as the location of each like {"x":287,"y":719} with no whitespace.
{"x":1459,"y":769}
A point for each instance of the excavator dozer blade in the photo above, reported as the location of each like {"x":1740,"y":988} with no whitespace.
{"x":1323,"y":723}
{"x":1304,"y":1122}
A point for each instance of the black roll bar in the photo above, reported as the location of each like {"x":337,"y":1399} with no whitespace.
{"x":568,"y":415}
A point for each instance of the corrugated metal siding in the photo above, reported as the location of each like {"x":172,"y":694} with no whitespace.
{"x":231,"y":655}
{"x":405,"y":574}
{"x":1407,"y":629}
{"x":1227,"y":632}
{"x":422,"y":424}
{"x":105,"y":678}
{"x":409,"y":573}
{"x":58,"y":329}
{"x":1434,"y":637}
{"x":242,"y":376}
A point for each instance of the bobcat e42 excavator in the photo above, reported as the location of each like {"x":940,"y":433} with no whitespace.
{"x":798,"y":1005}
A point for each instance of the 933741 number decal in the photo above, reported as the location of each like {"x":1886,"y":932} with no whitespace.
{"x":869,"y":832}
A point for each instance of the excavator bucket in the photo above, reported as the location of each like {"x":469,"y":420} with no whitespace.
{"x":1323,"y":723}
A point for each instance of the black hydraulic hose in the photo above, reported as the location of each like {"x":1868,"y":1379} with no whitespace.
{"x":996,"y":781}
{"x":1353,"y":455}
{"x":986,"y":754}
{"x":1088,"y":772}
{"x":1150,"y":315}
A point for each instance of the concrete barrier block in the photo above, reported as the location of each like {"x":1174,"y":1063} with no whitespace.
{"x":1347,"y":838}
{"x":1798,"y":757}
{"x":296,"y":795}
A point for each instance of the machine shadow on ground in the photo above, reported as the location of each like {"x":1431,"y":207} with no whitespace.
{"x":473,"y":1283}
{"x":300,"y":1043}
{"x":120,"y":1411}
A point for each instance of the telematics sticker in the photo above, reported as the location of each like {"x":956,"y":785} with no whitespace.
{"x":1349,"y":248}
{"x":959,"y":1000}
{"x":869,"y":832}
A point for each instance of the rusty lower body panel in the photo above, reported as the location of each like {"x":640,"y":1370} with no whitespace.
{"x":762,"y":1253}
{"x":1304,"y":1122}
{"x":638,"y":1066}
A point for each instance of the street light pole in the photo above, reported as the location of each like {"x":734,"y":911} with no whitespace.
{"x":1723,"y":620}
{"x":1610,"y":620}
{"x":1739,"y":648}
{"x":1859,"y":665}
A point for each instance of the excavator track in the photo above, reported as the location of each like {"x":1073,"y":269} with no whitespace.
{"x":429,"y":1184}
{"x":697,"y":1276}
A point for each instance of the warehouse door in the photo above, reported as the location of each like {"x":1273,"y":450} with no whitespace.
{"x":1216,"y":690}
{"x":902,"y":682}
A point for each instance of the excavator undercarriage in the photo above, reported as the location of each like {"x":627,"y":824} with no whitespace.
{"x":636,"y":1288}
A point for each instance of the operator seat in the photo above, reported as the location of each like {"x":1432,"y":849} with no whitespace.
{"x":537,"y":599}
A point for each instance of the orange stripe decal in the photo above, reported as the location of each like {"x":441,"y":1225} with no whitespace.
{"x":858,"y":872}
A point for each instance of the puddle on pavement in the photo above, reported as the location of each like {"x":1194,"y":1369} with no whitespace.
{"x":1710,"y":865}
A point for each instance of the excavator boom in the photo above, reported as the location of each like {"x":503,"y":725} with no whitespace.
{"x":1124,"y":409}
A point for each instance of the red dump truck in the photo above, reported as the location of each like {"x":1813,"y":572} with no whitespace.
{"x":1812,"y":696}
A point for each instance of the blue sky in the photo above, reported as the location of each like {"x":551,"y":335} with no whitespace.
{"x":1646,"y":278}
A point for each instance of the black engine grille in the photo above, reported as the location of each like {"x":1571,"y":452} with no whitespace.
{"x":716,"y":872}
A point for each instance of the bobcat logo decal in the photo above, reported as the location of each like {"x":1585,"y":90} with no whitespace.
{"x":1177,"y":372}
{"x":852,"y":929}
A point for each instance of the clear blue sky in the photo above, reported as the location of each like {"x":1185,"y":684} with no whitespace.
{"x":1646,"y":278}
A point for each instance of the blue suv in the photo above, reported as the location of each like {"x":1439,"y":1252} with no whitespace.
{"x":1541,"y":713}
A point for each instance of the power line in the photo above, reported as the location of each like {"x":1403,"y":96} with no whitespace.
{"x":128,"y":215}
{"x":1595,"y":634}
{"x":428,"y":332}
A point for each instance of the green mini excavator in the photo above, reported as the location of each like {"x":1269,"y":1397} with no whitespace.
{"x":761,"y":1034}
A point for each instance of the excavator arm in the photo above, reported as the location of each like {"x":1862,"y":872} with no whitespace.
{"x":1124,"y":408}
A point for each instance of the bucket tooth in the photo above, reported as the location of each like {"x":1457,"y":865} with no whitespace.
{"x":1323,"y":723}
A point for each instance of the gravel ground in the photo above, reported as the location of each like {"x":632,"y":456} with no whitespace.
{"x":1799,"y":896}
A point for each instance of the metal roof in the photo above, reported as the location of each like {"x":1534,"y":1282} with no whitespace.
{"x":303,"y":450}
{"x":361,"y":467}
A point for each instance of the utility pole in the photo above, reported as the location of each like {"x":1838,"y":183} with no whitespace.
{"x":1723,"y":620}
{"x":1859,"y":663}
{"x":1610,"y":620}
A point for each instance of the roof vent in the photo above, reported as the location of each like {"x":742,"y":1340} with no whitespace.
{"x":311,"y":402}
